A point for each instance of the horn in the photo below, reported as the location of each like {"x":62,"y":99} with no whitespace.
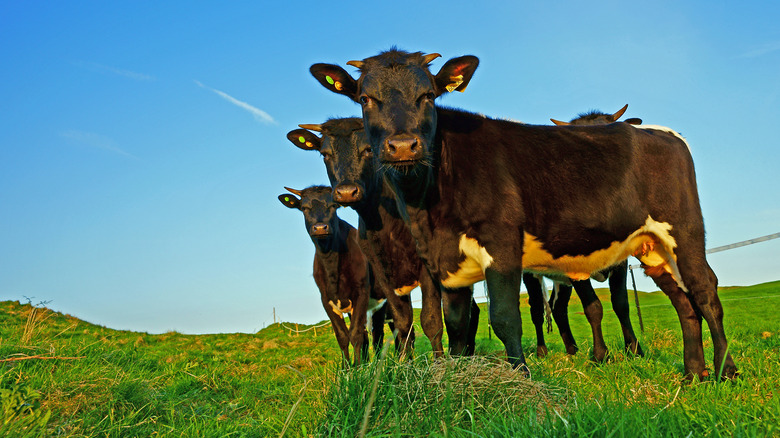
{"x":559,"y":123}
{"x":358,"y":64}
{"x":293,"y":191}
{"x":317,"y":128}
{"x":619,"y":113}
{"x":430,"y":57}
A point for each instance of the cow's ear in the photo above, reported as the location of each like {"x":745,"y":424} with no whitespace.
{"x":633,"y":121}
{"x":290,"y":201}
{"x":456,"y":74}
{"x":335,"y":79}
{"x":304,"y":139}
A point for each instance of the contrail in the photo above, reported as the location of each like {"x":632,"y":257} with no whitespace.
{"x":96,"y":141}
{"x":260,"y":115}
{"x":117,"y":71}
{"x":761,"y":51}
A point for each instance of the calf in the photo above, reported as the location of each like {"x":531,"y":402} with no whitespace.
{"x":482,"y":197}
{"x":617,"y":274}
{"x":384,"y":237}
{"x":340,"y":269}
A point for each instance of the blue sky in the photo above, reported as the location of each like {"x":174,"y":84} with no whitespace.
{"x":142,"y":144}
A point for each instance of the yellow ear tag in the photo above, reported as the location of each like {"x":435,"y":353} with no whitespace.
{"x":301,"y":139}
{"x":329,"y":79}
{"x":309,"y":145}
{"x":455,"y":82}
{"x":338,"y":86}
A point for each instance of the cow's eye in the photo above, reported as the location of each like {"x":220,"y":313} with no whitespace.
{"x":365,"y":100}
{"x":429,"y":96}
{"x":326,"y":156}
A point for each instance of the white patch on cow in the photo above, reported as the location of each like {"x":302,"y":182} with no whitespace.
{"x":472,"y":269}
{"x":651,"y":244}
{"x":665,"y":129}
{"x":374,"y":304}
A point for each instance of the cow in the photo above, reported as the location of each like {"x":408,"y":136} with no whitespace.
{"x":482,"y":197}
{"x":340,"y":270}
{"x":617,"y":274}
{"x":384,"y":238}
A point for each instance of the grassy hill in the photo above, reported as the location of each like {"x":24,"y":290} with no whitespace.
{"x":61,"y":376}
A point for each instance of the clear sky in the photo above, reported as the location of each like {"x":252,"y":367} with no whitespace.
{"x":142,"y":144}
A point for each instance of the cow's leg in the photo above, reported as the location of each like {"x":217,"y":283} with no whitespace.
{"x":403,"y":325}
{"x":504,"y":293}
{"x":560,"y":311}
{"x":430,"y":315}
{"x":595,"y":313}
{"x":358,"y":336}
{"x":401,"y":309}
{"x":702,"y":285}
{"x":471,"y":342}
{"x":365,"y":352}
{"x":536,"y":302}
{"x":457,"y":317}
{"x":618,"y":275}
{"x":690,"y":322}
{"x":378,"y":328}
{"x":341,"y":332}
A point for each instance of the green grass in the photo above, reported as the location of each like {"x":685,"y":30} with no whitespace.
{"x":75,"y":379}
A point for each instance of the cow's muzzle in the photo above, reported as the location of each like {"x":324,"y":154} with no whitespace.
{"x":402,"y":150}
{"x":319,"y":231}
{"x":347,"y":193}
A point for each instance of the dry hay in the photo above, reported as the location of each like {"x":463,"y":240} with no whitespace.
{"x":506,"y":387}
{"x":478,"y":385}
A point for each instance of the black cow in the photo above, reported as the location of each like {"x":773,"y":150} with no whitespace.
{"x":384,"y":237}
{"x":340,"y":270}
{"x":482,"y":197}
{"x":617,"y":274}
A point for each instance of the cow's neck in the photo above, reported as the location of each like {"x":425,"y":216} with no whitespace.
{"x":335,"y":243}
{"x":330,"y":252}
{"x":370,"y":209}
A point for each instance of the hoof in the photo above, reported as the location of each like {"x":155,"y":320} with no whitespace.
{"x":635,"y":349}
{"x":541,"y":351}
{"x":599,"y":355}
{"x":729,"y":372}
{"x":571,"y":350}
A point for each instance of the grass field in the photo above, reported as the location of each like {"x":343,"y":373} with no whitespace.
{"x":61,"y":376}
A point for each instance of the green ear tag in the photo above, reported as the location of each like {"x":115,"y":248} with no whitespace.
{"x":286,"y":199}
{"x":301,"y":139}
{"x":329,"y":79}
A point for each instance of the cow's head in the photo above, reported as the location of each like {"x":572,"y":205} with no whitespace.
{"x":397,"y":93}
{"x":599,"y":118}
{"x":319,"y":210}
{"x":346,"y":153}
